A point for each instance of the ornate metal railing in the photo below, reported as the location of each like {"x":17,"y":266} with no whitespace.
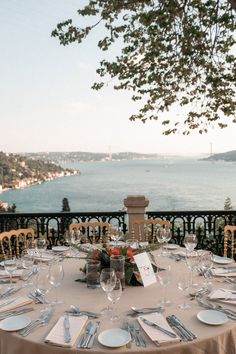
{"x":54,"y":225}
{"x":207,"y":225}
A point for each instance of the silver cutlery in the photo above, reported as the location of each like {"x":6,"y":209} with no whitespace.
{"x":152,"y":324}
{"x":84,"y":336}
{"x":10,"y":313}
{"x":8,"y":302}
{"x":185,"y":333}
{"x":136,"y":328}
{"x":91,"y":340}
{"x":143,"y":309}
{"x":206,"y":304}
{"x":66,"y":325}
{"x":91,"y":332}
{"x":42,"y":320}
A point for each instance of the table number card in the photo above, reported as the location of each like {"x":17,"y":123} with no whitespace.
{"x":145,"y":268}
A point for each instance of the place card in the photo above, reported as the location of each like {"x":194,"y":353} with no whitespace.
{"x":145,"y":268}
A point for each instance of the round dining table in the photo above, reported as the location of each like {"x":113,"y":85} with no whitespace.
{"x":211,"y":339}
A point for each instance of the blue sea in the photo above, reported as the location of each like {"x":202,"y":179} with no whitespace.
{"x":168,"y":183}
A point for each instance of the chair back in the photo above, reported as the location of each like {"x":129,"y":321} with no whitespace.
{"x":14,"y":242}
{"x":229,"y":231}
{"x":146,"y":230}
{"x":93,"y":232}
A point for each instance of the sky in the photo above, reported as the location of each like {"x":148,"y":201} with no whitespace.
{"x":46,"y":100}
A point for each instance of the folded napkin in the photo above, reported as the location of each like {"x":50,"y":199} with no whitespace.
{"x":223,"y":272}
{"x":156,"y":335}
{"x":225,"y":295}
{"x":18,"y":302}
{"x":56,"y":335}
{"x":45,"y":257}
{"x":16,"y":273}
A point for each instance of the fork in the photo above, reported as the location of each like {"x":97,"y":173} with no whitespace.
{"x":136,"y":327}
{"x":84,"y":336}
{"x":42,"y":320}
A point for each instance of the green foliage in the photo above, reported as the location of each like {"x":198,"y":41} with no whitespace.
{"x":172,"y":51}
{"x":228,"y":204}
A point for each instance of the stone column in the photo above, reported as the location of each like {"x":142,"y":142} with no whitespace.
{"x":136,"y":207}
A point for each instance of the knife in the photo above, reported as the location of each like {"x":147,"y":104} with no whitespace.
{"x":91,"y":340}
{"x":152,"y":324}
{"x":91,"y":332}
{"x":66,"y":325}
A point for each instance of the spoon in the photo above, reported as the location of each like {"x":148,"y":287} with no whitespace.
{"x":147,"y":309}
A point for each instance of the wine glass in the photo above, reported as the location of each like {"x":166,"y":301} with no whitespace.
{"x":164,"y":277}
{"x":190,"y":242}
{"x":55,"y":277}
{"x":114,"y":295}
{"x":206,"y":265}
{"x":163,"y":236}
{"x":42,"y":282}
{"x":27,"y":262}
{"x":193,"y":263}
{"x":108,"y":282}
{"x":41,"y":246}
{"x":10,"y":265}
{"x":183,"y":285}
{"x":31,"y":247}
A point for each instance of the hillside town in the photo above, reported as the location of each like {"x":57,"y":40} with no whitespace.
{"x":18,"y":172}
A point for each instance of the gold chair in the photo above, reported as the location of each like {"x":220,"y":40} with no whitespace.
{"x":15,"y":239}
{"x":229,"y":231}
{"x":93,"y":232}
{"x":146,"y":230}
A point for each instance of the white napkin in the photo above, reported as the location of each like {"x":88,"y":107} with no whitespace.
{"x":18,"y":302}
{"x":222,"y":272}
{"x":224,"y":295}
{"x":56,"y":335}
{"x":16,"y":273}
{"x":155,"y":334}
{"x":45,"y":257}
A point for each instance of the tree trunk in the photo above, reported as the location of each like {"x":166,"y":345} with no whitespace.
{"x":233,"y":3}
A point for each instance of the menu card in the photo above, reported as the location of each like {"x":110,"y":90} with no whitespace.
{"x":145,"y":268}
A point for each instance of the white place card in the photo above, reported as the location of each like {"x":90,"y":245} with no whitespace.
{"x":145,"y":268}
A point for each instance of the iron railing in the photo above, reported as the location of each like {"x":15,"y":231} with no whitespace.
{"x":54,"y":225}
{"x":207,"y":225}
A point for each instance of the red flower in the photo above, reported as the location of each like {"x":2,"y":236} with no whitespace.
{"x":130,"y":254}
{"x":95,"y":255}
{"x":114,"y":252}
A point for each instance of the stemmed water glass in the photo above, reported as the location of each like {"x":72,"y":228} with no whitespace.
{"x":114,"y":295}
{"x":42,"y":282}
{"x":10,"y":265}
{"x":164,"y":277}
{"x":190,"y":242}
{"x":108,"y":282}
{"x":41,"y":246}
{"x":206,"y":265}
{"x":55,"y":277}
{"x":183,"y":285}
{"x":163,"y":236}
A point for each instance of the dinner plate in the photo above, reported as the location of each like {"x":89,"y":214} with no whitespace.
{"x":114,"y":338}
{"x":222,"y":260}
{"x":60,"y":248}
{"x":15,"y":323}
{"x":212,"y":317}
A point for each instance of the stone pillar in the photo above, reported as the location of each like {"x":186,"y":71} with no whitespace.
{"x":136,"y":207}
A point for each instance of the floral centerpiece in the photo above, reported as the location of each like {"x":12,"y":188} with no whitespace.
{"x":103,"y":254}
